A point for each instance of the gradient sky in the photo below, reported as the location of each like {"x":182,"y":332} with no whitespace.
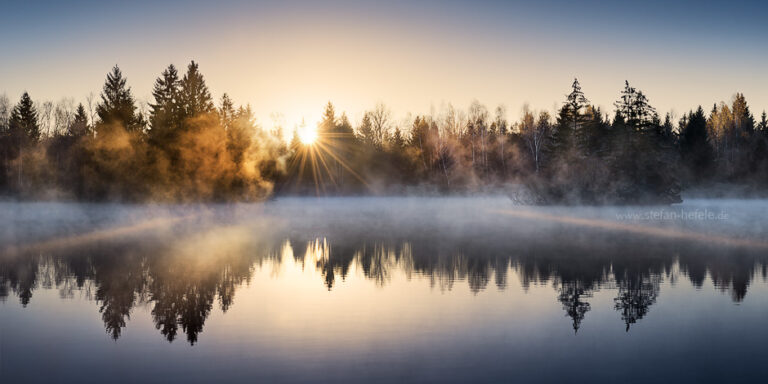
{"x":291,"y":57}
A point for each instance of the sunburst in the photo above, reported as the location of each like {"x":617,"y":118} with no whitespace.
{"x":320,"y":154}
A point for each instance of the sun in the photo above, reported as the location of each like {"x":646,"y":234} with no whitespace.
{"x":307,"y":135}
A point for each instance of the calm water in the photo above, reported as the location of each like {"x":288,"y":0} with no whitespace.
{"x":383,"y":290}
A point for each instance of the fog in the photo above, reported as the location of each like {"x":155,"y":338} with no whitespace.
{"x":737,"y":222}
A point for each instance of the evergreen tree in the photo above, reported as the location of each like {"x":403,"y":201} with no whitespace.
{"x":164,"y":113}
{"x":24,"y":129}
{"x":644,"y":160}
{"x":117,"y":105}
{"x":240,"y":129}
{"x":328,"y":123}
{"x":742,"y":118}
{"x":762,"y":126}
{"x":397,"y":142}
{"x":79,"y":126}
{"x":194,"y":94}
{"x":575,"y":103}
{"x":637,"y":113}
{"x":667,"y":129}
{"x":569,"y":136}
{"x":365,"y":131}
{"x":227,"y":113}
{"x":24,"y":132}
{"x":695,"y":149}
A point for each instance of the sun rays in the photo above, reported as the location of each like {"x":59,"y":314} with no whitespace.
{"x":323,"y":157}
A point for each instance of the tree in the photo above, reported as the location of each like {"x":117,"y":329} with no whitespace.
{"x":79,"y":126}
{"x":194,"y":94}
{"x":380,"y":118}
{"x":365,"y":131}
{"x":762,"y":126}
{"x":574,"y":117}
{"x":227,"y":113}
{"x":24,"y":128}
{"x":633,"y":106}
{"x":644,"y":159}
{"x":164,"y":112}
{"x":568,"y":137}
{"x":743,"y":120}
{"x":695,"y":148}
{"x":117,"y":106}
{"x":534,"y":133}
{"x":500,"y":126}
{"x":24,"y":131}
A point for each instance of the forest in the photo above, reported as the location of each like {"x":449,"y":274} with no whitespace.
{"x":185,"y":147}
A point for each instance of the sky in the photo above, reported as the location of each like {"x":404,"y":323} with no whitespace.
{"x":287,"y":59}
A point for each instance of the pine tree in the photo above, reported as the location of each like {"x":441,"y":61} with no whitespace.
{"x":328,"y":123}
{"x":397,"y":142}
{"x":742,"y":118}
{"x":195,"y":97}
{"x":23,"y":124}
{"x":695,"y":149}
{"x":638,"y":114}
{"x":644,"y":158}
{"x":240,"y":128}
{"x":575,"y":103}
{"x":24,"y":131}
{"x":117,"y":105}
{"x":79,"y":126}
{"x":569,"y":136}
{"x":164,"y":113}
{"x":762,"y":126}
{"x":227,"y":113}
{"x":365,"y":131}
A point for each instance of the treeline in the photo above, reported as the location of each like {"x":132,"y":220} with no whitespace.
{"x":185,"y":147}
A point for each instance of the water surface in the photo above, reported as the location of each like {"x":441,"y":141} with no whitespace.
{"x":383,"y":290}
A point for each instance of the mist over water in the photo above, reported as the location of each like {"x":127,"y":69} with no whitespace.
{"x":383,"y":289}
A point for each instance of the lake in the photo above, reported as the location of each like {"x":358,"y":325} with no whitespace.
{"x":383,"y":290}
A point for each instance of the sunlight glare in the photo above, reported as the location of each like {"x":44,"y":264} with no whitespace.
{"x":307,"y":135}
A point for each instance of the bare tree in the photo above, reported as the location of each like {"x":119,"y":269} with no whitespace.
{"x":5,"y":111}
{"x":534,"y":133}
{"x":46,"y":117}
{"x":478,"y":118}
{"x":64,"y":115}
{"x":91,"y":100}
{"x":381,"y":122}
{"x":501,"y":128}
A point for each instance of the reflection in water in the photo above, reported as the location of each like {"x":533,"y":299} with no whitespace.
{"x":182,"y":275}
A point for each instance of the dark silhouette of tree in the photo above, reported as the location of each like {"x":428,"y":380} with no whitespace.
{"x":80,"y":127}
{"x":762,"y":126}
{"x":571,"y":295}
{"x":165,"y":113}
{"x":23,"y":136}
{"x":117,"y":106}
{"x":695,"y":148}
{"x":24,"y":127}
{"x":636,"y":294}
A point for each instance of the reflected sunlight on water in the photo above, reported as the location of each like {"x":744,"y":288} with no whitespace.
{"x":381,"y":290}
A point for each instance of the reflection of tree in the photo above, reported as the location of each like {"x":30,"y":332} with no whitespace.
{"x":330,"y":260}
{"x":180,"y":301}
{"x":180,"y":280}
{"x":571,"y":294}
{"x":118,"y":280}
{"x":636,"y":294}
{"x":21,"y":276}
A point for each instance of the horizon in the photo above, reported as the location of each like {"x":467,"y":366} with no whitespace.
{"x":515,"y":55}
